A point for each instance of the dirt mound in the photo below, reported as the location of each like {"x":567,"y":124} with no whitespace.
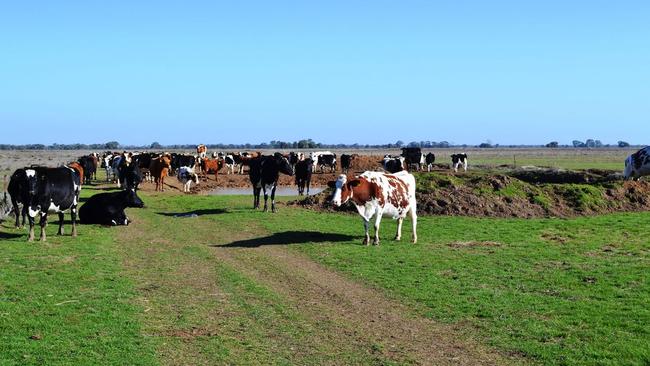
{"x":506,"y":195}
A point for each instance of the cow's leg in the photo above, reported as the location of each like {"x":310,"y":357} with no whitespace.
{"x":273,"y":198}
{"x":61,"y":217}
{"x":308,"y":183}
{"x":414,"y":219}
{"x":24,"y":213}
{"x":366,"y":228}
{"x":256,"y":198}
{"x":73,"y":216}
{"x":14,"y":208}
{"x":162,"y":183}
{"x":266,"y":199}
{"x":398,"y":236}
{"x":377,"y":223}
{"x":31,"y":228}
{"x":43,"y":225}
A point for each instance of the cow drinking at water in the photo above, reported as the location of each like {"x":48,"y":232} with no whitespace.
{"x":379,"y":194}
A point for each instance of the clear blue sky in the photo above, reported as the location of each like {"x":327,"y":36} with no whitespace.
{"x":334,"y":71}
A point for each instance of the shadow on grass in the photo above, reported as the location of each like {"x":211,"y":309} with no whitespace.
{"x":211,"y":211}
{"x":289,"y":237}
{"x":4,"y":235}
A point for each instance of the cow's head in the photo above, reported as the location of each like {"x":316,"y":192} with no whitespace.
{"x":628,"y":173}
{"x":283,"y":164}
{"x":132,"y":199}
{"x":343,"y":189}
{"x":32,"y":181}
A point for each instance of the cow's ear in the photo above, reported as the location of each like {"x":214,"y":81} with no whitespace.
{"x":355,"y":183}
{"x":331,"y":184}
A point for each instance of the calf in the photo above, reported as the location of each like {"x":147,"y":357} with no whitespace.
{"x":212,"y":166}
{"x":304,"y":169}
{"x":108,"y":208}
{"x":458,"y":160}
{"x":379,"y":194}
{"x":430,"y":159}
{"x":264,"y":174}
{"x":393,"y":165}
{"x":186,"y":176}
{"x":53,"y":190}
{"x":159,"y":169}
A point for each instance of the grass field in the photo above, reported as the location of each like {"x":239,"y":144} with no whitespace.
{"x":234,"y":286}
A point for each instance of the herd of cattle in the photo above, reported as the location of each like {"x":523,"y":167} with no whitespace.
{"x":43,"y":190}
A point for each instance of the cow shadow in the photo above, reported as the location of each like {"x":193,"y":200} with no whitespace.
{"x":4,"y":235}
{"x":287,"y":238}
{"x":209,"y":211}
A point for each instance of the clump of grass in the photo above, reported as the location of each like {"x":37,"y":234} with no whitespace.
{"x":582,"y":196}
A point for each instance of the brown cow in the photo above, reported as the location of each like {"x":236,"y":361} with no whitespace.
{"x":79,"y":169}
{"x":212,"y":166}
{"x":159,"y":169}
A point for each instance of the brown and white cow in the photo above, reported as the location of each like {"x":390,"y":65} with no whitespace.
{"x":212,"y":166}
{"x":202,"y":151}
{"x":379,"y":194}
{"x":159,"y":169}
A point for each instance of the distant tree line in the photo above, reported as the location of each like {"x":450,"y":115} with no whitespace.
{"x":301,"y":144}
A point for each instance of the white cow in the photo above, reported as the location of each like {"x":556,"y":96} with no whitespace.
{"x":379,"y":194}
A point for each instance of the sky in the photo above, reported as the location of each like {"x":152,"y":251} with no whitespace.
{"x":185,"y":72}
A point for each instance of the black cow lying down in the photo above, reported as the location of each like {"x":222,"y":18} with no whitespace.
{"x":108,"y":208}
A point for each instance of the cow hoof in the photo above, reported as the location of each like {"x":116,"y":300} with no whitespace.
{"x":397,"y":238}
{"x":414,"y":241}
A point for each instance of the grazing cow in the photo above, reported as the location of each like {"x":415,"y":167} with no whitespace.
{"x":379,"y":194}
{"x":108,"y":208}
{"x":212,"y":166}
{"x":430,"y":159}
{"x":458,"y":160}
{"x":637,"y":165}
{"x":52,"y":190}
{"x":159,"y":168}
{"x":78,"y":169}
{"x":346,"y":162}
{"x":393,"y":165}
{"x":413,"y":157}
{"x":304,"y":169}
{"x":186,"y":176}
{"x":19,"y":191}
{"x":327,"y":160}
{"x":264,"y":174}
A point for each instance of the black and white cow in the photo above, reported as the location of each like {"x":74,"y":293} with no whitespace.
{"x":637,"y":165}
{"x":295,"y":157}
{"x":182,"y":160}
{"x":304,"y":169}
{"x":413,"y":157}
{"x":459,"y":160}
{"x":187,"y":176}
{"x":323,"y":158}
{"x":53,"y":190}
{"x":229,"y":160}
{"x":129,"y":174}
{"x":264,"y":174}
{"x":430,"y":158}
{"x":108,"y":208}
{"x":393,"y":164}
